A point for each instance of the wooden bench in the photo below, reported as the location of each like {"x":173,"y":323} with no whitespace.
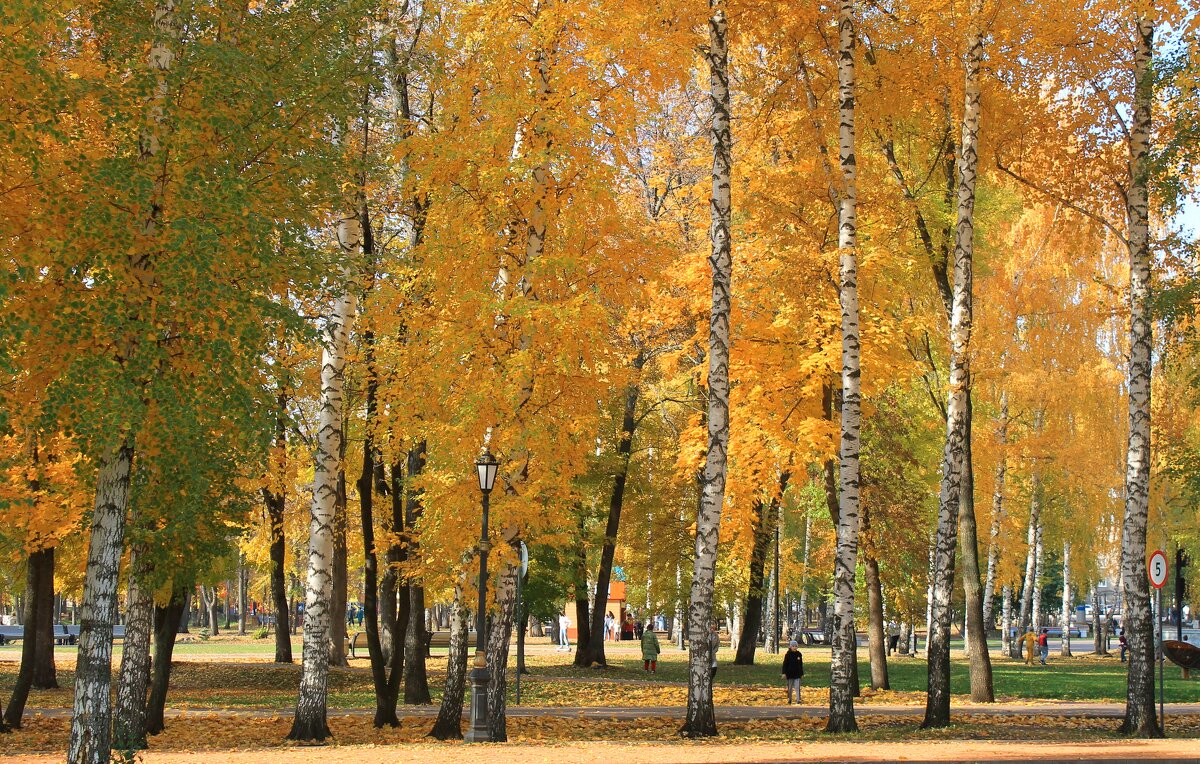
{"x":358,"y":641}
{"x":10,"y":634}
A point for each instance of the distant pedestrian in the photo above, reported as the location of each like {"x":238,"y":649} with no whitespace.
{"x":793,"y":671}
{"x":564,"y":641}
{"x":608,"y":626}
{"x":1029,"y":640}
{"x":1124,"y":645}
{"x":350,"y":615}
{"x":627,"y":629}
{"x":1044,"y":645}
{"x":650,"y":651}
{"x":893,"y":637}
{"x":359,"y":617}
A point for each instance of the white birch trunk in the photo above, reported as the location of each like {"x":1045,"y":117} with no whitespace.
{"x":701,"y":721}
{"x":937,"y":707}
{"x":129,"y":724}
{"x":91,"y":722}
{"x":310,"y":722}
{"x":841,"y":691}
{"x":997,"y":511}
{"x":1140,"y":717}
{"x":1006,"y":620}
{"x":1066,"y":601}
{"x":1036,"y":607}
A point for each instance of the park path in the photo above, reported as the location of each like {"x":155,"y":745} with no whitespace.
{"x":1070,"y":709}
{"x":1128,"y":751}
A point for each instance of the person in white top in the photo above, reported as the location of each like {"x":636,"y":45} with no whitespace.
{"x":564,"y":643}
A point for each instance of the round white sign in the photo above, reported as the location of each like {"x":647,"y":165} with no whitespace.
{"x":1157,"y":568}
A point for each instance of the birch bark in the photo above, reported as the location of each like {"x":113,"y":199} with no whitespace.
{"x":997,"y":510}
{"x":449,"y":719}
{"x":129,"y":724}
{"x":956,"y":453}
{"x":91,"y":722}
{"x":1140,"y":717}
{"x":1065,"y":651}
{"x":310,"y":721}
{"x":701,"y":720}
{"x":1027,"y":588}
{"x":841,"y":694}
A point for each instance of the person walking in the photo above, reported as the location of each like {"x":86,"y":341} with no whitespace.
{"x":1044,"y":645}
{"x":1029,"y":640}
{"x":1124,"y":645}
{"x":564,"y":641}
{"x":793,"y":671}
{"x":608,"y":626}
{"x":893,"y":637}
{"x":650,"y":650}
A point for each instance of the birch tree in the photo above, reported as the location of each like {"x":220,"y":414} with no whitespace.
{"x":956,"y":453}
{"x":310,"y":721}
{"x":701,"y":720}
{"x":841,"y":694}
{"x":1140,"y":716}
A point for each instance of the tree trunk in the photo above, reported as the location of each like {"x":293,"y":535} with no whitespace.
{"x":91,"y":724}
{"x":956,"y":453}
{"x":129,"y":723}
{"x":1098,"y":645}
{"x":242,"y":573}
{"x":37,"y":649}
{"x":397,"y":555}
{"x":1006,"y":639}
{"x":701,"y":720}
{"x":1140,"y":717}
{"x":1066,"y":601}
{"x":843,"y":660}
{"x":385,"y":711}
{"x":166,"y":626}
{"x":497,"y":657}
{"x":878,"y":638}
{"x":752,"y":621}
{"x":416,"y":681}
{"x":997,"y":511}
{"x":276,"y":503}
{"x":310,"y":721}
{"x":1036,"y":609}
{"x":975,"y":632}
{"x":1029,"y":585}
{"x":338,"y":628}
{"x":449,"y":720}
{"x":595,"y":651}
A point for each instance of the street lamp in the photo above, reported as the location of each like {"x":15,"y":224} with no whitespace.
{"x":486,"y":466}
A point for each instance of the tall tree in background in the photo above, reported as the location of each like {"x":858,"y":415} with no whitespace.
{"x":701,"y":720}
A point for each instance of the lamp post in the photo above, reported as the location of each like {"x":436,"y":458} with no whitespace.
{"x":486,"y":466}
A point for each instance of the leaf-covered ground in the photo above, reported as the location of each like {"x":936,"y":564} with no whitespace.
{"x":231,"y":731}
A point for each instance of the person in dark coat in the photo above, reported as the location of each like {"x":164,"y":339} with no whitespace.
{"x":793,"y":671}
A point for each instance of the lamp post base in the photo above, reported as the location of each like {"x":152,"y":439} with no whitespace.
{"x":479,"y":731}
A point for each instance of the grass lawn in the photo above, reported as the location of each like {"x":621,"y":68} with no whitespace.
{"x":236,"y":673}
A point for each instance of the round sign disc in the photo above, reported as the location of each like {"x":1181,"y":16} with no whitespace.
{"x":1157,"y":569}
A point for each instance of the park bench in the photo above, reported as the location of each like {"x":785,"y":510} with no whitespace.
{"x":62,"y":636}
{"x":358,"y":641}
{"x":11,"y":634}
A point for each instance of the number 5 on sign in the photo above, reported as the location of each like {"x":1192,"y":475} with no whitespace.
{"x":1157,"y":567}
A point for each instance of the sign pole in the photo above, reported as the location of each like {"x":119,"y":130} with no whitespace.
{"x":1156,"y":568}
{"x":1162,"y":716}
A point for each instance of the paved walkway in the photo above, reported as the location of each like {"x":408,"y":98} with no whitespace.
{"x":724,"y":713}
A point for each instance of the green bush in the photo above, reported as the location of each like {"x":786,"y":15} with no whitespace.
{"x":204,"y":633}
{"x":261,"y":632}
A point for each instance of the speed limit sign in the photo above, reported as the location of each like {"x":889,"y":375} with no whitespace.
{"x":1157,"y":567}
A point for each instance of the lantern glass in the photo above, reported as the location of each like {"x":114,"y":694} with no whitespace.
{"x":487,"y":466}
